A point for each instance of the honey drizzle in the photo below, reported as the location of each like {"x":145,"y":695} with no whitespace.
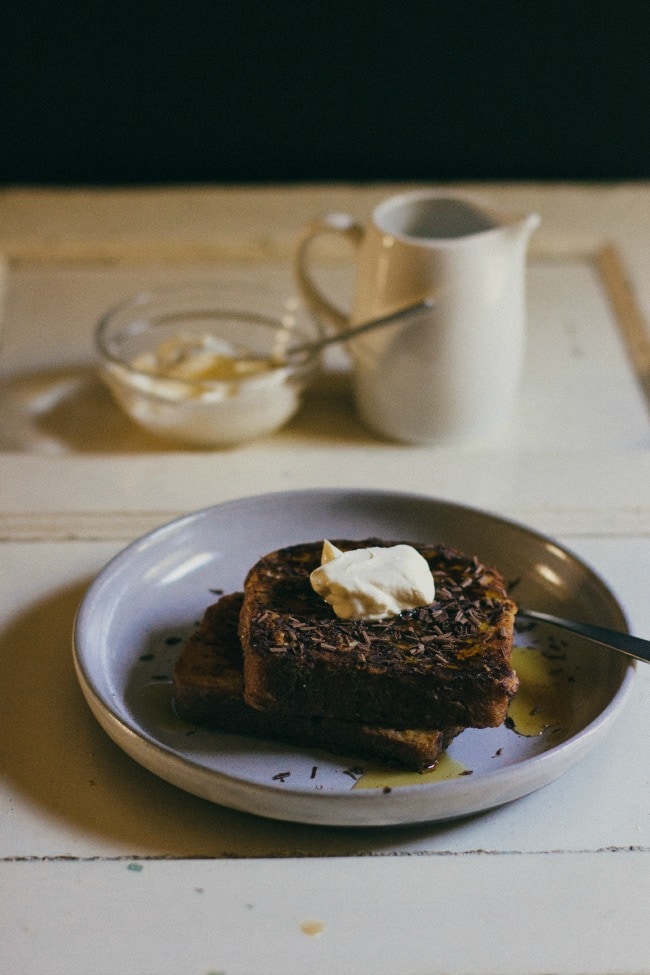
{"x":544,"y":701}
{"x":542,"y":705}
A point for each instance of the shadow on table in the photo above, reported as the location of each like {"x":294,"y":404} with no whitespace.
{"x":58,"y":761}
{"x":69,"y":411}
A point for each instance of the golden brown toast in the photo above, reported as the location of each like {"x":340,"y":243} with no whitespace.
{"x":208,"y":690}
{"x":443,"y":665}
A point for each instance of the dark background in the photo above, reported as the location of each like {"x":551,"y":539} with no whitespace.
{"x":261,"y":91}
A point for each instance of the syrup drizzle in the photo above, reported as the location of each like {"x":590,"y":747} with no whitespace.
{"x":543,"y":705}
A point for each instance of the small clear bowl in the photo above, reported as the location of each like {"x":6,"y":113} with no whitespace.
{"x":141,"y":343}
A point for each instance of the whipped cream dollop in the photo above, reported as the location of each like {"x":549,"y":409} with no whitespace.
{"x":373,"y":583}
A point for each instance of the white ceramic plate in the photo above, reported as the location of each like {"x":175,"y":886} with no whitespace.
{"x":147,"y":599}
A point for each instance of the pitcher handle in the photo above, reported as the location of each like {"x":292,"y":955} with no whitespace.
{"x":329,"y":223}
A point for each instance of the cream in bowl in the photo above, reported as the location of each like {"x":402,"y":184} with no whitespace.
{"x":197,"y":366}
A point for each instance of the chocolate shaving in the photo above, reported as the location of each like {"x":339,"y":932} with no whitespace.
{"x":460,"y":620}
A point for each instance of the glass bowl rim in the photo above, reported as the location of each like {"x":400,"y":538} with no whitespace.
{"x":113,"y":361}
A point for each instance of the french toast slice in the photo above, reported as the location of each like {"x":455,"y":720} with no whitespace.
{"x":442,"y":665}
{"x":208,"y":690}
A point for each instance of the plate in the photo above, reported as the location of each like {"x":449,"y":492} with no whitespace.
{"x":149,"y":597}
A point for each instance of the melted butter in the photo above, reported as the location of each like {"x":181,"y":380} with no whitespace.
{"x":385,"y":778}
{"x":312,"y":928}
{"x":545,"y":697}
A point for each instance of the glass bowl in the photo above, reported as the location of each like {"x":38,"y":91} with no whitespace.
{"x":175,"y":360}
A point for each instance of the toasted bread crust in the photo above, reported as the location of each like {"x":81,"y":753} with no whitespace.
{"x":208,"y":690}
{"x":442,"y":665}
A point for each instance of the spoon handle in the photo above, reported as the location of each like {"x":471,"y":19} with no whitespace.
{"x":633,"y":646}
{"x":359,"y":329}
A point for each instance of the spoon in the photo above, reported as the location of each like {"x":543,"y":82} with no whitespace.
{"x":307,"y":348}
{"x":633,"y":646}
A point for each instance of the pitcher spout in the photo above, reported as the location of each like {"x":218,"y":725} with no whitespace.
{"x":522,"y":228}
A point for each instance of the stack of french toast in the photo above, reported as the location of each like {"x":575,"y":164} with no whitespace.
{"x":275,"y":662}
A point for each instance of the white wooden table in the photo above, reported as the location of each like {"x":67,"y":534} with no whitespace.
{"x":105,"y":868}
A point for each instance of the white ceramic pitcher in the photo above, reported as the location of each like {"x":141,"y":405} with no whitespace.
{"x":453,"y":374}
